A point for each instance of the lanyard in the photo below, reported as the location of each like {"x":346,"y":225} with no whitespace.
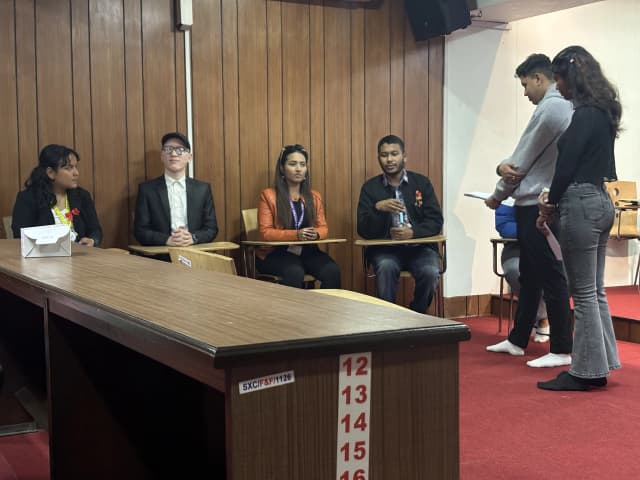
{"x":297,"y":222}
{"x":64,"y":219}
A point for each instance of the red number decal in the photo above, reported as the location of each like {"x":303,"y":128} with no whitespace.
{"x":346,"y":421}
{"x":361,"y":422}
{"x":362,"y":365}
{"x":347,"y":394}
{"x":359,"y":451}
{"x":347,"y":365}
{"x":362,"y":394}
{"x":358,"y":474}
{"x":345,"y":451}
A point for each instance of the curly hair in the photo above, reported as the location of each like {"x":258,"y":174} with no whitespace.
{"x":587,"y":84}
{"x":281,"y":187}
{"x":52,"y":156}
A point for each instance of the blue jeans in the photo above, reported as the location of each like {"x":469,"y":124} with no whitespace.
{"x":586,"y":216}
{"x":421,"y":261}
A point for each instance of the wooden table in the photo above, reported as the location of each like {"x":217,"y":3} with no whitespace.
{"x":441,"y":240}
{"x":145,"y":362}
{"x":164,"y":250}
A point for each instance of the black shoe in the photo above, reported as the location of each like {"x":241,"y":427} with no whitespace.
{"x":565,"y":382}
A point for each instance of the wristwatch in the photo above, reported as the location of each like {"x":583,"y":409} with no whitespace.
{"x":194,"y":238}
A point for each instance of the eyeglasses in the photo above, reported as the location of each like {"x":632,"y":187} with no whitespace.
{"x":168,"y":149}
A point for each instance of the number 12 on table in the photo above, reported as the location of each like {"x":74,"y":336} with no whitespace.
{"x":354,"y":394}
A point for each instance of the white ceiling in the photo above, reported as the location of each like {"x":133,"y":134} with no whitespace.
{"x":512,"y":10}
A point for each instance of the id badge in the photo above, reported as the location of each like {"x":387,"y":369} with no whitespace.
{"x":295,"y":249}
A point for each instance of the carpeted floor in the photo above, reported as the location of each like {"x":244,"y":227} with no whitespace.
{"x":624,"y":302}
{"x":511,"y":430}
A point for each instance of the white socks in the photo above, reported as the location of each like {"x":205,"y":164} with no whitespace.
{"x":506,"y":347}
{"x":551,"y":360}
{"x":541,"y":334}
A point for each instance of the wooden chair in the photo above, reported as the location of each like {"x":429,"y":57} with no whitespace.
{"x":198,"y":259}
{"x":6,"y":223}
{"x":252,"y":240}
{"x":498,"y":271}
{"x":442,"y":249}
{"x":624,"y":195}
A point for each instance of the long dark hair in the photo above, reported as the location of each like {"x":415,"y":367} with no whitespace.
{"x":52,"y":156}
{"x":587,"y":84}
{"x":283,"y":208}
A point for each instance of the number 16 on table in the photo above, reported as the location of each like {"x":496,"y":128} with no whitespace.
{"x":354,"y":393}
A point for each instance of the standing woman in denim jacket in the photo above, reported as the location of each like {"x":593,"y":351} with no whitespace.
{"x":585,"y":212}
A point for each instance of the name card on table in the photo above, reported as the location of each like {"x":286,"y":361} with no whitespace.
{"x":46,"y":241}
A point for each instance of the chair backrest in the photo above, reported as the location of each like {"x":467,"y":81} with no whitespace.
{"x":250,"y":223}
{"x":625,"y":224}
{"x":6,"y":223}
{"x":199,"y":259}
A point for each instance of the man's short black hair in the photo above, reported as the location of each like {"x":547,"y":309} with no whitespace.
{"x":391,"y":140}
{"x":535,"y":63}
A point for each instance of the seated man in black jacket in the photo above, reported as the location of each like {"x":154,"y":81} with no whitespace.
{"x":400,"y":205}
{"x":173,"y":209}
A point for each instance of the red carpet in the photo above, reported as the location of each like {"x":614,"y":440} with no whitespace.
{"x":24,"y":457}
{"x":511,"y":430}
{"x":624,"y":302}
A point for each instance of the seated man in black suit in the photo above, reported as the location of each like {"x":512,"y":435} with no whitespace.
{"x":173,"y":209}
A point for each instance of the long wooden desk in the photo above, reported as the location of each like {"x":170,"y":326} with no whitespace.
{"x":145,"y":361}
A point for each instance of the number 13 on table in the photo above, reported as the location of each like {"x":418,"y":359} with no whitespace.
{"x":354,"y":393}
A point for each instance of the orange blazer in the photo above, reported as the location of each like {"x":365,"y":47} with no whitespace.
{"x":270,"y":228}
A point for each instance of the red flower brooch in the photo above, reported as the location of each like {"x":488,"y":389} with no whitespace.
{"x":418,"y":199}
{"x":72,"y":214}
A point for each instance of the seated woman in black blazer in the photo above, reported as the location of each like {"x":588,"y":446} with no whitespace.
{"x":52,"y":196}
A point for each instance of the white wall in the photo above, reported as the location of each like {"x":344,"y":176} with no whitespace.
{"x":485,"y":112}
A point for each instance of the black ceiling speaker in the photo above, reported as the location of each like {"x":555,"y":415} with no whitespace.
{"x":432,"y":18}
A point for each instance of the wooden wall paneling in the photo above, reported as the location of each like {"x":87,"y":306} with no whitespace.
{"x":319,"y":161}
{"x":436,"y":112}
{"x":416,"y":104}
{"x":253,"y":120}
{"x":159,"y":71}
{"x":54,"y":67}
{"x":377,"y":83}
{"x":208,"y":128}
{"x":9,"y":117}
{"x":134,"y":103}
{"x":231,"y":127}
{"x":397,"y":22}
{"x":108,"y":105}
{"x":296,"y":75}
{"x":358,"y":146}
{"x":275,"y":66}
{"x":338,"y":133}
{"x":82,"y":132}
{"x":27,"y":90}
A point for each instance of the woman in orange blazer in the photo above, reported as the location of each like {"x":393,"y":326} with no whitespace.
{"x":291,"y":211}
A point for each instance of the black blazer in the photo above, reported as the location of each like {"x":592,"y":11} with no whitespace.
{"x":27,"y":213}
{"x":152,"y":225}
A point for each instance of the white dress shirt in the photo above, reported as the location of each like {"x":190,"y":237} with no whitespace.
{"x":177,"y":191}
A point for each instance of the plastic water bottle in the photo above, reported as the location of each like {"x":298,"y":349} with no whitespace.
{"x":398,"y":219}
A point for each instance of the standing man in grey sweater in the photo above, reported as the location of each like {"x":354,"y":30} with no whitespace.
{"x":523,"y":176}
